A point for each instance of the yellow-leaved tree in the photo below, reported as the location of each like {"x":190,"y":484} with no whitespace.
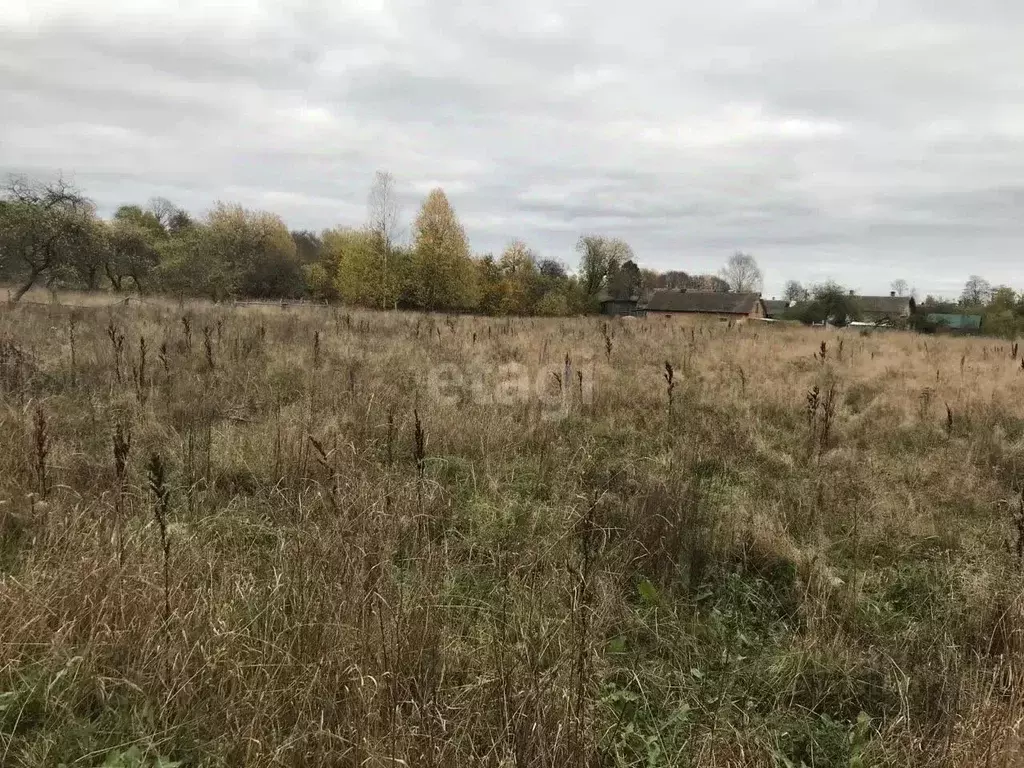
{"x":354,"y":264}
{"x":360,"y":276}
{"x":444,"y":276}
{"x":491,"y":286}
{"x":522,"y":280}
{"x":257,"y":255}
{"x":235,"y":252}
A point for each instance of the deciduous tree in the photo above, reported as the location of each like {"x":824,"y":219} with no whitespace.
{"x":46,"y":232}
{"x":523,"y":287}
{"x":236,"y":252}
{"x":795,"y":292}
{"x":308,"y":246}
{"x":188,"y":266}
{"x":356,"y":267}
{"x":742,"y":273}
{"x":976,"y":292}
{"x":130,"y":252}
{"x":552,"y":269}
{"x":830,"y":303}
{"x":492,"y":286}
{"x":626,"y":282}
{"x":382,"y":223}
{"x":259,"y":253}
{"x":600,"y":257}
{"x":444,"y":276}
{"x":1003,"y":298}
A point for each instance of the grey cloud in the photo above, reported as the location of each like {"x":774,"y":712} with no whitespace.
{"x":860,"y":142}
{"x":403,"y":95}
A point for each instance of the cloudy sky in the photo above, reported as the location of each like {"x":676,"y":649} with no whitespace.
{"x":861,"y":141}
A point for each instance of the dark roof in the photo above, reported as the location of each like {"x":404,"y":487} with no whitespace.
{"x":775,"y":306}
{"x":890,"y":305}
{"x":703,"y":301}
{"x":604,"y":297}
{"x":968,"y":322}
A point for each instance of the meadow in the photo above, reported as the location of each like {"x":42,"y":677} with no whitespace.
{"x":320,"y":537}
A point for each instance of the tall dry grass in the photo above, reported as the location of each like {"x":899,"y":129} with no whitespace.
{"x":278,"y":545}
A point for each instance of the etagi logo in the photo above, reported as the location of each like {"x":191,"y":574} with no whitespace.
{"x":555,"y":387}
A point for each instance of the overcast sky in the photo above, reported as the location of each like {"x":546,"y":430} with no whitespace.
{"x":861,"y":141}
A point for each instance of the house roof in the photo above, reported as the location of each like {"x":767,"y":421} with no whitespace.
{"x":604,"y":297}
{"x":890,"y":305}
{"x":961,"y":322}
{"x":703,"y":301}
{"x":775,"y":306}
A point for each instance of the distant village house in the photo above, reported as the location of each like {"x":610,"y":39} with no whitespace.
{"x":737,"y":307}
{"x":626,"y":300}
{"x":775,"y":308}
{"x":883,"y":309}
{"x":620,"y":306}
{"x":948,"y":321}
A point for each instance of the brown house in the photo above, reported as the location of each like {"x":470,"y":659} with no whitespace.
{"x":737,"y":307}
{"x":879,"y":309}
{"x":619,"y":305}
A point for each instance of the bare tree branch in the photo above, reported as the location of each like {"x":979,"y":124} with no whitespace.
{"x":742,"y":273}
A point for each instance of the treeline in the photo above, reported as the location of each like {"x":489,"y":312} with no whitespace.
{"x":51,"y":235}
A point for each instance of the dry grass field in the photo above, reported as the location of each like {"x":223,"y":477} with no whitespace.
{"x":314,"y":537}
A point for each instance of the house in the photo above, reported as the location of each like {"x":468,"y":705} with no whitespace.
{"x":621,"y":296}
{"x":706,"y":304}
{"x":618,"y":306}
{"x":775,"y":307}
{"x":884,"y":309}
{"x":954,"y":322}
